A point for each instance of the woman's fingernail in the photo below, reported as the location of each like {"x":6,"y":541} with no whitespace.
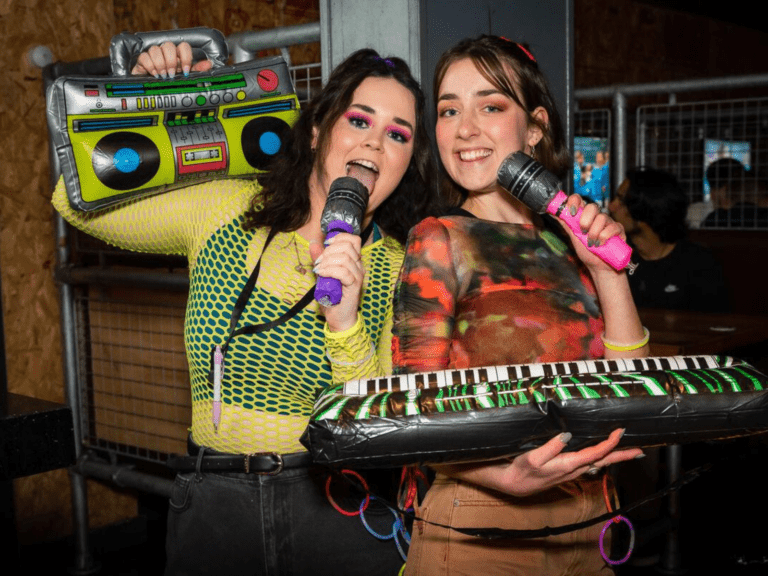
{"x":565,"y":437}
{"x":319,"y":259}
{"x":573,"y":210}
{"x":640,"y":456}
{"x":597,"y":243}
{"x":621,"y":435}
{"x":186,"y":70}
{"x":314,"y":269}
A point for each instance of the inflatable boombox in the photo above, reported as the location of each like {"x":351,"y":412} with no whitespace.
{"x":120,"y":137}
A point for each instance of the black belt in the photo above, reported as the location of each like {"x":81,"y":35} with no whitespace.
{"x":267,"y":463}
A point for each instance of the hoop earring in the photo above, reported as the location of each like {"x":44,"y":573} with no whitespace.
{"x":533,"y":152}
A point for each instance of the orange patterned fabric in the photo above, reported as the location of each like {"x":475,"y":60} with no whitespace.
{"x":479,"y":293}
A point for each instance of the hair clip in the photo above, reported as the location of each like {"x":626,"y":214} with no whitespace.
{"x":523,"y":48}
{"x":386,"y":61}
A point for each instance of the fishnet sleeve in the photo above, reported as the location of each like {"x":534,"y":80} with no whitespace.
{"x":354,"y":356}
{"x":167,"y":223}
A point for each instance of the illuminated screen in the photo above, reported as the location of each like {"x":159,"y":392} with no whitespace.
{"x":591,"y":174}
{"x":718,"y":149}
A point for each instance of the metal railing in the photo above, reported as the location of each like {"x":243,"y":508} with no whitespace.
{"x":620,"y":95}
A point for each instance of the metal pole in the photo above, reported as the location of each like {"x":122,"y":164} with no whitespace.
{"x":620,"y":118}
{"x":727,"y":82}
{"x":105,"y":276}
{"x":124,"y":476}
{"x":84,"y":561}
{"x":243,"y":46}
{"x":671,"y":561}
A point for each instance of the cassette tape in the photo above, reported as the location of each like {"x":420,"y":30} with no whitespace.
{"x":122,"y":137}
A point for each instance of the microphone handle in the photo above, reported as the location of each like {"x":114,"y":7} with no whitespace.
{"x":328,"y":290}
{"x":615,"y":251}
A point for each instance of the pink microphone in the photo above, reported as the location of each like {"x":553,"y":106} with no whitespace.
{"x":529,"y":182}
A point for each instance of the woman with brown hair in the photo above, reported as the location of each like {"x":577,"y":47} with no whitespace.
{"x":494,"y":283}
{"x":247,"y":499}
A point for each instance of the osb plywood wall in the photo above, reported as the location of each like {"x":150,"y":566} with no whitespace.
{"x":30,"y":297}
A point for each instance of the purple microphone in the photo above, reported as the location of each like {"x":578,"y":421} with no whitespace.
{"x":529,"y":182}
{"x":343,"y":212}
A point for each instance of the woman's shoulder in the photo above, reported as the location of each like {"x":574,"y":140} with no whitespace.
{"x":220,"y":202}
{"x":442,"y":225}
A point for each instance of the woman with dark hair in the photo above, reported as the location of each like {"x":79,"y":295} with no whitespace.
{"x":672,"y":273}
{"x":247,"y":499}
{"x":494,"y":283}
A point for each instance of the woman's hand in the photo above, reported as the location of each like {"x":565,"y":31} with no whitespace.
{"x":622,"y":322}
{"x":599,"y":228}
{"x":544,"y":467}
{"x":342,"y":260}
{"x":168,"y":59}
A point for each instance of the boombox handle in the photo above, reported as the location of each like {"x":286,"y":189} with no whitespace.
{"x":207,"y":43}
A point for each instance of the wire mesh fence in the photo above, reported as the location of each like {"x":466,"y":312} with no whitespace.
{"x":134,"y":375}
{"x":307,"y":80}
{"x":717,"y":150}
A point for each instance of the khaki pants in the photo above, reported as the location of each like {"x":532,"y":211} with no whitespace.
{"x":439,"y":551}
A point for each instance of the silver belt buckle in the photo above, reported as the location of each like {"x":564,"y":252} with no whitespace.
{"x":280,"y":464}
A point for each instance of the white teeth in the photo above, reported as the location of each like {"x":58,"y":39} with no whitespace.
{"x":469,"y":155}
{"x":365,"y":164}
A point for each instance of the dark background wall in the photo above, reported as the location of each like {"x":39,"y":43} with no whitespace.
{"x":622,"y":41}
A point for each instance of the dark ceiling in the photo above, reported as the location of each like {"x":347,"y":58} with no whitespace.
{"x":748,"y":14}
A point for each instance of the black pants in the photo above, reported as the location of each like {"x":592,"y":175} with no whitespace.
{"x":240,"y":524}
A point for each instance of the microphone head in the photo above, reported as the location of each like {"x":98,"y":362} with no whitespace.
{"x":528,"y":181}
{"x":346,"y":202}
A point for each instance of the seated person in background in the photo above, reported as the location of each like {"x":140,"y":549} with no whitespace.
{"x":672,"y":272}
{"x":734,"y":195}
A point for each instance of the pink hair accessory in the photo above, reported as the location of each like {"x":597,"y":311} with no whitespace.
{"x":523,"y":48}
{"x":527,"y":53}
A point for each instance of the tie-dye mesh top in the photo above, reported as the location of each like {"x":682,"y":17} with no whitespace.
{"x":270,"y":379}
{"x":480,"y":293}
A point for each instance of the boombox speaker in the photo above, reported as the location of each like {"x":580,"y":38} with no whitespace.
{"x":121,"y":137}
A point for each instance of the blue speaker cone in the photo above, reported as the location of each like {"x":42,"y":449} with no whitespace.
{"x":269,"y":142}
{"x":261,"y":140}
{"x":126,"y":160}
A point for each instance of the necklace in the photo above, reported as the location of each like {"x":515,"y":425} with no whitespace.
{"x":301,"y":268}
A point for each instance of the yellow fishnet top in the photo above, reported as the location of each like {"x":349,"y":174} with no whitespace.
{"x":270,"y":379}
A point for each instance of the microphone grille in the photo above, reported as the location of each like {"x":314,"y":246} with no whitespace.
{"x":346,"y":202}
{"x":528,"y":181}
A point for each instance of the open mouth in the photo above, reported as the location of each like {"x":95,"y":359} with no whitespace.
{"x":364,"y":172}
